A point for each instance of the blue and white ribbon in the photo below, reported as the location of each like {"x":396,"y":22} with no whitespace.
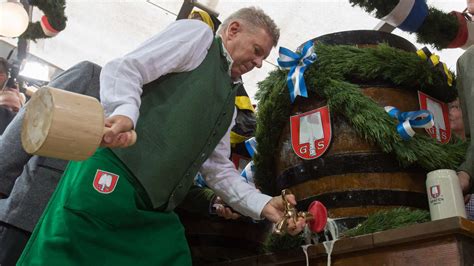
{"x":251,"y":145}
{"x":297,"y":64}
{"x":199,"y":180}
{"x":248,"y":173}
{"x":408,"y":15}
{"x":410,"y":120}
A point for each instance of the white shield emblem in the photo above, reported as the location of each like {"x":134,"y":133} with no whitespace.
{"x":105,"y":182}
{"x":311,"y":133}
{"x":441,"y":130}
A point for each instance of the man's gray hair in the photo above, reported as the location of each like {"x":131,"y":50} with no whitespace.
{"x":256,"y":18}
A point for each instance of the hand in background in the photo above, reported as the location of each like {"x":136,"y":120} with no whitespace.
{"x":11,"y":99}
{"x":274,"y":211}
{"x":119,"y":132}
{"x":464,"y":181}
{"x":222,"y":210}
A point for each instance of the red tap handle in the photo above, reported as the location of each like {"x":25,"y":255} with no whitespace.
{"x":320,"y":216}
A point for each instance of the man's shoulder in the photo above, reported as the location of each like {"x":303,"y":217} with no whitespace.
{"x":191,"y":25}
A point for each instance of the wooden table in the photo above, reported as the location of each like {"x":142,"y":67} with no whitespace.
{"x":444,"y":242}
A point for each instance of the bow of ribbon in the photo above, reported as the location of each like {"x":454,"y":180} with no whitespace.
{"x":410,"y":120}
{"x":297,"y":64}
{"x":425,"y":54}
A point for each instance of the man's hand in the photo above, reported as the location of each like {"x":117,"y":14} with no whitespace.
{"x":464,"y":181}
{"x":118,"y":133}
{"x":222,"y":210}
{"x":274,"y":211}
{"x":11,"y":99}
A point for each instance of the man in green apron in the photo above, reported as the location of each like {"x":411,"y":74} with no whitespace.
{"x":116,"y":208}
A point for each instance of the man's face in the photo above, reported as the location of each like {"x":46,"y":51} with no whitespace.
{"x":247,"y":48}
{"x":455,"y":116}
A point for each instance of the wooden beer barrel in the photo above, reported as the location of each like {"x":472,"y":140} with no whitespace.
{"x":353,"y":178}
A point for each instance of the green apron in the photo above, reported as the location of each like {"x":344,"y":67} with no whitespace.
{"x":84,"y":226}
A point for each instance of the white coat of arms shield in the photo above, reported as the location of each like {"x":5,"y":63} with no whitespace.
{"x":441,"y":130}
{"x":311,"y":133}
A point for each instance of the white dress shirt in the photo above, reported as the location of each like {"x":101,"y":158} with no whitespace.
{"x":181,"y":47}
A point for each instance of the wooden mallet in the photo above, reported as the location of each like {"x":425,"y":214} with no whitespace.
{"x":64,"y":125}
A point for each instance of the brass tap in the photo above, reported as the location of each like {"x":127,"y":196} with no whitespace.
{"x":290,"y":213}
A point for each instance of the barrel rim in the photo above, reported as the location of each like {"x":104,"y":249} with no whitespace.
{"x":366,"y":37}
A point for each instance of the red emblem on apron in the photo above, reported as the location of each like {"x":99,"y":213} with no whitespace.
{"x":311,"y":133}
{"x":105,"y":182}
{"x":441,"y":130}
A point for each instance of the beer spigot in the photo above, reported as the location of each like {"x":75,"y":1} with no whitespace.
{"x":315,"y":217}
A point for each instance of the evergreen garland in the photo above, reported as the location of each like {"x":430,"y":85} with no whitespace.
{"x":391,"y":219}
{"x":377,"y":222}
{"x":54,"y":11}
{"x":328,"y":78}
{"x":438,"y":28}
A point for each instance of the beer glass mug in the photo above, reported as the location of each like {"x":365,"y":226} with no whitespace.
{"x":444,"y":194}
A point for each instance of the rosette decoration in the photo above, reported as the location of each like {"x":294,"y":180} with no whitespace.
{"x":410,"y":120}
{"x":433,"y":60}
{"x":52,"y":22}
{"x":431,"y":26}
{"x":296,"y":63}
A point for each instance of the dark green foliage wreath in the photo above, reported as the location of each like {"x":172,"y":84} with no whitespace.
{"x":54,"y":11}
{"x":438,"y":29}
{"x":328,"y":78}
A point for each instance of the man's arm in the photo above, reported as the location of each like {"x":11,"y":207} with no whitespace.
{"x":222,"y":177}
{"x":465,"y":171}
{"x":12,"y":156}
{"x":81,"y":78}
{"x":181,"y":47}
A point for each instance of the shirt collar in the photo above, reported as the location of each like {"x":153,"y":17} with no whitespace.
{"x":230,"y":61}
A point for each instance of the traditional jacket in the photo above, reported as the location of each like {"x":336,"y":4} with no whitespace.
{"x":183,"y":116}
{"x":465,"y":86}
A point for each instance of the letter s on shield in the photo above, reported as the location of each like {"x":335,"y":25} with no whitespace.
{"x":311,"y":133}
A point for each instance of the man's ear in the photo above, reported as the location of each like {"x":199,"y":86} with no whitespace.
{"x":233,"y":28}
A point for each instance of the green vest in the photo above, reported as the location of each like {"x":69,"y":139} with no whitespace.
{"x":183,"y":116}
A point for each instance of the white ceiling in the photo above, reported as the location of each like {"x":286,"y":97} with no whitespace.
{"x":100,"y":30}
